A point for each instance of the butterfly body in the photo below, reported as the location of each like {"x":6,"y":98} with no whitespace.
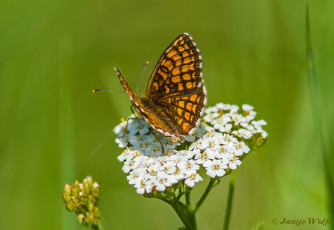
{"x":175,"y":93}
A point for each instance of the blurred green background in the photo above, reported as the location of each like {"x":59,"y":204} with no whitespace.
{"x":53,"y":53}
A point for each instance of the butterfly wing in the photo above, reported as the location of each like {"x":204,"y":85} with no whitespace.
{"x":134,"y":99}
{"x":175,"y":94}
{"x":176,"y":86}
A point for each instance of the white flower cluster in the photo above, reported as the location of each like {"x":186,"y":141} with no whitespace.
{"x":216,"y":145}
{"x":226,"y":119}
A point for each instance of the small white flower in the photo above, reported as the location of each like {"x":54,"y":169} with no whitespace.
{"x":142,"y":147}
{"x":179,"y":174}
{"x":169,"y":167}
{"x":208,"y":154}
{"x":143,"y":128}
{"x":120,"y":129}
{"x":234,"y":161}
{"x":227,"y":148}
{"x":247,"y":126}
{"x":138,"y":140}
{"x":234,"y":109}
{"x":153,"y":169}
{"x":243,"y":133}
{"x":188,"y":165}
{"x":264,"y":134}
{"x":236,"y":118}
{"x":154,"y":150}
{"x":148,"y":161}
{"x":199,"y":144}
{"x":222,"y":106}
{"x":135,"y":175}
{"x":177,"y":158}
{"x":187,"y":154}
{"x":251,"y":115}
{"x":210,"y":114}
{"x":192,"y":179}
{"x":137,"y":125}
{"x":131,"y":164}
{"x":215,"y":168}
{"x":246,"y":107}
{"x":164,"y":181}
{"x":145,"y":185}
{"x":241,"y":148}
{"x":122,"y":141}
{"x":259,"y":122}
{"x":126,"y":155}
{"x":220,"y":122}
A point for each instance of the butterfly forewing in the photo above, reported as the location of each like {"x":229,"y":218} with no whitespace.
{"x":176,"y":84}
{"x":178,"y":70}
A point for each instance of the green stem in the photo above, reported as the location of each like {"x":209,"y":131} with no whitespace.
{"x":183,"y":216}
{"x":193,"y":219}
{"x":188,"y":204}
{"x":181,"y":211}
{"x":191,"y":211}
{"x":97,"y":227}
{"x":180,"y":194}
{"x":185,"y":211}
{"x":205,"y":194}
{"x":229,"y":202}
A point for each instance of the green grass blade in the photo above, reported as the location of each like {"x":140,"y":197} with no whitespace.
{"x":317,"y":113}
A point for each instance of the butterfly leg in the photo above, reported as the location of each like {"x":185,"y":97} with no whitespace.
{"x":127,"y":121}
{"x":134,"y":113}
{"x":157,"y":138}
{"x":126,"y":127}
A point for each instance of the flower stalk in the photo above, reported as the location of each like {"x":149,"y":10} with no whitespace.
{"x":205,"y":194}
{"x":229,"y":202}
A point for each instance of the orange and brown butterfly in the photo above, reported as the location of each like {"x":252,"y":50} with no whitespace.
{"x":175,"y":94}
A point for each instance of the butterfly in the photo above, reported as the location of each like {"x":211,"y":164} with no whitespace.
{"x":175,"y":93}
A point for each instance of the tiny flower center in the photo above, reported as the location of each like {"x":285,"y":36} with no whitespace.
{"x":153,"y":173}
{"x":156,"y":149}
{"x":192,"y":176}
{"x":204,"y":155}
{"x":189,"y":165}
{"x":216,"y":167}
{"x":163,"y":180}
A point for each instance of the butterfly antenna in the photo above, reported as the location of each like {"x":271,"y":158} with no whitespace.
{"x":111,"y":91}
{"x":101,"y":143}
{"x":141,"y":75}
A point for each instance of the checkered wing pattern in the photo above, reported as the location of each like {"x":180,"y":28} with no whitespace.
{"x":176,"y":84}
